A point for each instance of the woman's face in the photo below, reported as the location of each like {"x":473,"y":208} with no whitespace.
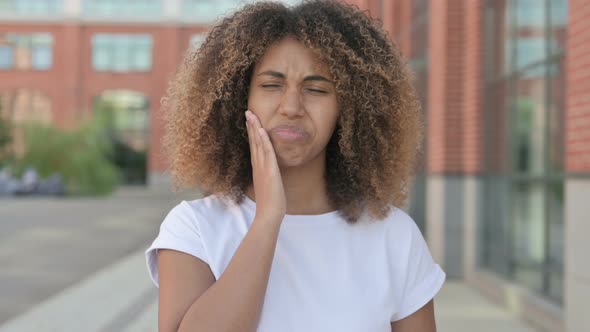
{"x":292,"y":94}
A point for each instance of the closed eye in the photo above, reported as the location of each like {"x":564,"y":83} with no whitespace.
{"x":317,"y":91}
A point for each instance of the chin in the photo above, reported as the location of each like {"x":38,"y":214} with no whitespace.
{"x":290,"y":161}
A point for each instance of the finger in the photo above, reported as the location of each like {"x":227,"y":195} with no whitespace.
{"x":249,"y":132}
{"x":266,"y":143}
{"x":255,"y":119}
{"x":258,"y":141}
{"x":251,"y":137}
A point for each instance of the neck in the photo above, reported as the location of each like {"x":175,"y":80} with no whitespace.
{"x":305,"y":188}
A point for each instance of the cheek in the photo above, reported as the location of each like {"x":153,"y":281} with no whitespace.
{"x":325,"y":116}
{"x":324,"y":127}
{"x":261,"y":105}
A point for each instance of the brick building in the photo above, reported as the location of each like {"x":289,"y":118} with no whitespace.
{"x":57,"y":58}
{"x":501,"y":194}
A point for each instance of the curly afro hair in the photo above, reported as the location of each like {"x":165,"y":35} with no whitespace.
{"x":372,"y":152}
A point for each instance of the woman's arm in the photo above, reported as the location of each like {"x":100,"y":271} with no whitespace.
{"x":420,"y":321}
{"x":191,"y":300}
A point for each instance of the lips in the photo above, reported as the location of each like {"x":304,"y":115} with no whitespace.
{"x":290,"y":133}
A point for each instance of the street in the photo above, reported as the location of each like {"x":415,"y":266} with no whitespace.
{"x":48,"y":244}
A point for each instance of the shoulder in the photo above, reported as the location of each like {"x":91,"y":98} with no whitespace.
{"x":397,"y":223}
{"x":400,"y":230}
{"x":399,"y":219}
{"x":191,"y":214}
{"x":202,"y":207}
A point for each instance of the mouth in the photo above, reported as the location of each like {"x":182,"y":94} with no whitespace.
{"x":289,"y":133}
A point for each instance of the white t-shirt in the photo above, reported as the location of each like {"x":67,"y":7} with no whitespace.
{"x":326,"y":275}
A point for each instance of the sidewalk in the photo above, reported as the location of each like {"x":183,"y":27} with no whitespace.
{"x":460,"y":308}
{"x":122,"y":298}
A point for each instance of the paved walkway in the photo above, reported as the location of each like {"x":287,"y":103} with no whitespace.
{"x":460,"y":308}
{"x":122,"y":298}
{"x":48,"y":244}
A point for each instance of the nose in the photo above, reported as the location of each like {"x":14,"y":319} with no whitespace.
{"x":291,"y":105}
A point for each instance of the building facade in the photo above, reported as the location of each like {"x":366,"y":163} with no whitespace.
{"x":502,"y":191}
{"x":60,"y":60}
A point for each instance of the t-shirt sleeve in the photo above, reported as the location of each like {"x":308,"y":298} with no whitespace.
{"x":179,"y":231}
{"x":424,"y":277}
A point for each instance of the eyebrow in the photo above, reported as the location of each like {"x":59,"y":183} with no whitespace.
{"x":282,"y":76}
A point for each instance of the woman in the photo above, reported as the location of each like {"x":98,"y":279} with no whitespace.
{"x":303,"y":126}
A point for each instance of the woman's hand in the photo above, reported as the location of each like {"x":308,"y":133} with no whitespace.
{"x":271,"y":203}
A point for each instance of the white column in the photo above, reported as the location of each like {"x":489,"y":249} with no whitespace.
{"x":577,"y":246}
{"x":171,"y":9}
{"x":72,"y":8}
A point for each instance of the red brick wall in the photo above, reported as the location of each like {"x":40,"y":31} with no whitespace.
{"x":455,"y":91}
{"x":71,"y":84}
{"x":152,"y":84}
{"x":49,"y":82}
{"x":404,"y":36}
{"x":577,"y":115}
{"x":445,"y":86}
{"x":473,"y":88}
{"x":387,"y":17}
{"x":396,"y":17}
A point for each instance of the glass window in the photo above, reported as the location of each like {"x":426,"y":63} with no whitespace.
{"x":524,"y":108}
{"x":208,"y":10}
{"x":31,"y":7}
{"x":529,"y":13}
{"x":555,"y":197}
{"x":494,"y":234}
{"x":100,"y":52}
{"x":142,"y":54}
{"x":530,"y":51}
{"x":528,"y":233}
{"x":25,"y":51}
{"x":529,"y":123}
{"x":126,"y":116}
{"x":129,"y":8}
{"x":41,"y":51}
{"x":6,"y":57}
{"x":122,"y":52}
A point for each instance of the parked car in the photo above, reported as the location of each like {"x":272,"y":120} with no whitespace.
{"x":30,"y":184}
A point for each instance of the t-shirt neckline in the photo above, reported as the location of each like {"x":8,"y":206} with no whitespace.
{"x":327,"y":218}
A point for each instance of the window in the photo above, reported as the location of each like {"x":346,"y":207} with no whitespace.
{"x":6,"y":57}
{"x":30,"y":51}
{"x":125,"y":116}
{"x":128,"y":8}
{"x":207,"y":10}
{"x":31,"y":7}
{"x":122,"y":52}
{"x":522,"y":231}
{"x":41,"y":51}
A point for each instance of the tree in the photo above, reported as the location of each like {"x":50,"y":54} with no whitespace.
{"x":5,"y":138}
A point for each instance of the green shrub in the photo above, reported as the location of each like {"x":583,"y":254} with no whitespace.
{"x":79,"y":156}
{"x":5,"y":140}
